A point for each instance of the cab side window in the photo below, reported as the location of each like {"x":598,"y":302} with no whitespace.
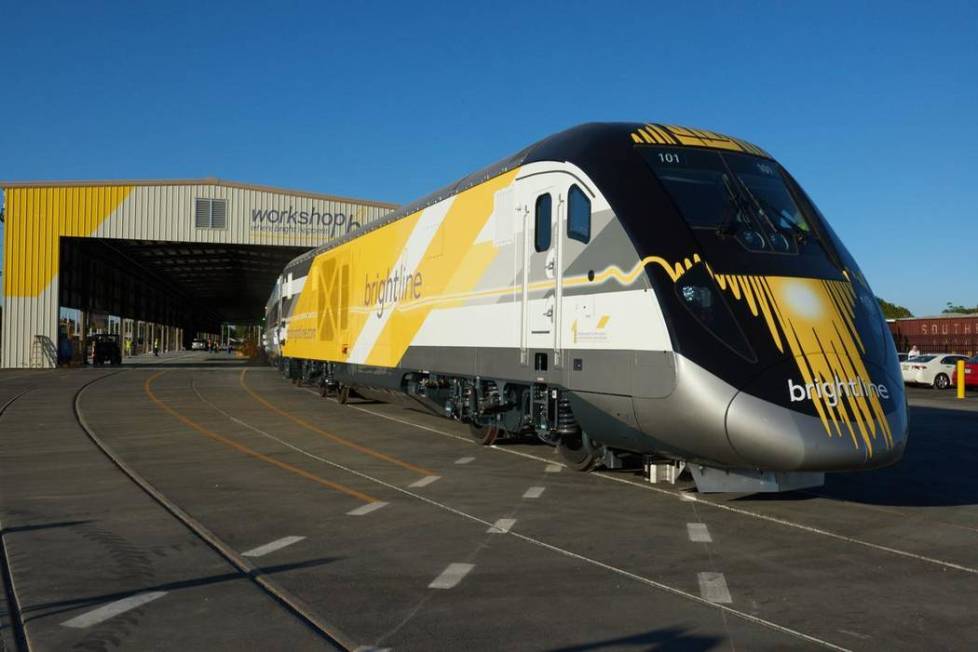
{"x":541,"y":238}
{"x":578,"y":215}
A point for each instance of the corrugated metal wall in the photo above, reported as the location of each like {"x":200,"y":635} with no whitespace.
{"x":37,"y":216}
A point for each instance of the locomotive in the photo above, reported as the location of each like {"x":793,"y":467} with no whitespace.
{"x":616,"y":288}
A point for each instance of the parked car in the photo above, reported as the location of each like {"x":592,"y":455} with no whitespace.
{"x":932,"y":369}
{"x":105,"y":349}
{"x":198,"y":345}
{"x":970,"y":373}
{"x":902,"y":357}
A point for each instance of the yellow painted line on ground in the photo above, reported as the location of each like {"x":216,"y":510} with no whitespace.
{"x":147,"y":387}
{"x":336,"y":438}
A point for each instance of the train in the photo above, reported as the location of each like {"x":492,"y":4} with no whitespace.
{"x":616,"y":290}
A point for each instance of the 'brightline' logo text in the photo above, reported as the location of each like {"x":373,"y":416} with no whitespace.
{"x":403,"y":285}
{"x":833,"y":391}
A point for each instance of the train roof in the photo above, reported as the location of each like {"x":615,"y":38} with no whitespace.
{"x":568,"y":145}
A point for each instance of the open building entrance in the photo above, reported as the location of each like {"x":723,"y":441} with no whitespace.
{"x":151,"y":292}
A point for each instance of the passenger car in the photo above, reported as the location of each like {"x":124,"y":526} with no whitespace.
{"x":970,"y":373}
{"x":198,"y":345}
{"x":932,"y":369}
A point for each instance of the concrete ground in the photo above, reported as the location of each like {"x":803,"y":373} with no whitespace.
{"x":399,"y":532}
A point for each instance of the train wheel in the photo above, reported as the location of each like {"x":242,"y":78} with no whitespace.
{"x":486,"y":434}
{"x":343,"y":396}
{"x":579,"y":451}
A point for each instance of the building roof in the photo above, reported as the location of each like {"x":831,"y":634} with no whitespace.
{"x":946,"y":315}
{"x":205,"y":181}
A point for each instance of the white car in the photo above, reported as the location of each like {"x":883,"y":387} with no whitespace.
{"x":932,"y":369}
{"x":198,"y":345}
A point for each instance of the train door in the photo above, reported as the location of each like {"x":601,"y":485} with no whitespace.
{"x":542,"y":204}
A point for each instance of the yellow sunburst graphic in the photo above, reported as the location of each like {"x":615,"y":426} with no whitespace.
{"x":815,"y":321}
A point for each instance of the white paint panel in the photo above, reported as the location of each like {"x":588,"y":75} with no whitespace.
{"x":271,"y":547}
{"x":411,"y":256}
{"x":112,"y":610}
{"x":502,"y":526}
{"x":451,"y":576}
{"x":713,"y":587}
{"x":533,"y":492}
{"x":698,"y":533}
{"x":366,"y":509}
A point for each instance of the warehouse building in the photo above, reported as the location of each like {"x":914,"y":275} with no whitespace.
{"x":164,"y":260}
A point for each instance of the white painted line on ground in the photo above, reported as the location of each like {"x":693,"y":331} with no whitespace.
{"x":699,"y":533}
{"x":692,"y":597}
{"x":553,"y":468}
{"x":425,"y":481}
{"x":371,"y":648}
{"x":502,"y":526}
{"x":451,"y":576}
{"x":464,"y":460}
{"x":278,"y":544}
{"x":534,"y":492}
{"x":685,"y":495}
{"x":112,"y":610}
{"x":366,"y":509}
{"x":713,"y":587}
{"x":793,"y":524}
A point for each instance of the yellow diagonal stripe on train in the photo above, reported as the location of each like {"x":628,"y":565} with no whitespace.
{"x":443,"y":273}
{"x":322,"y":324}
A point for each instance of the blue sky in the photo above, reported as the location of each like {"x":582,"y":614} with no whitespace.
{"x":871,"y":105}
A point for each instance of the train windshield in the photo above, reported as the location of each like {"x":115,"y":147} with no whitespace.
{"x":739,"y":196}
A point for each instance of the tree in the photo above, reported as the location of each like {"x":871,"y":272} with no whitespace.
{"x":961,"y":309}
{"x":892,"y":310}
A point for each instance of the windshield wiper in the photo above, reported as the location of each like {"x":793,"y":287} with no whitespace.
{"x":735,"y":202}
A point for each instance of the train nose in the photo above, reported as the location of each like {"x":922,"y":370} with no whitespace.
{"x":780,"y":422}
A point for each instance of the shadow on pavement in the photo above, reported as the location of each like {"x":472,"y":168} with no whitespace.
{"x":937,"y":469}
{"x":668,"y":639}
{"x":51,"y":608}
{"x":40,"y":526}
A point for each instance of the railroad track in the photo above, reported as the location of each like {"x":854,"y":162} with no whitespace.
{"x":286,"y":600}
{"x":13,"y":605}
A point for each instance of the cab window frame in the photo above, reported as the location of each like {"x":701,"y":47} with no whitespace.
{"x":580,"y":232}
{"x":547,"y":222}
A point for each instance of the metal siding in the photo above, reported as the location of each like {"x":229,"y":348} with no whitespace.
{"x":147,"y":212}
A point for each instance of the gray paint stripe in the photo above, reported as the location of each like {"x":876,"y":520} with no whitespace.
{"x":278,"y":544}
{"x":553,"y":468}
{"x":713,"y":587}
{"x":366,"y":509}
{"x":464,"y":460}
{"x":425,"y":481}
{"x":502,"y":526}
{"x":533,"y":492}
{"x":698,"y":532}
{"x":451,"y":576}
{"x":112,"y":610}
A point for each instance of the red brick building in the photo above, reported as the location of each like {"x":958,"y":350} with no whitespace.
{"x":954,"y":333}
